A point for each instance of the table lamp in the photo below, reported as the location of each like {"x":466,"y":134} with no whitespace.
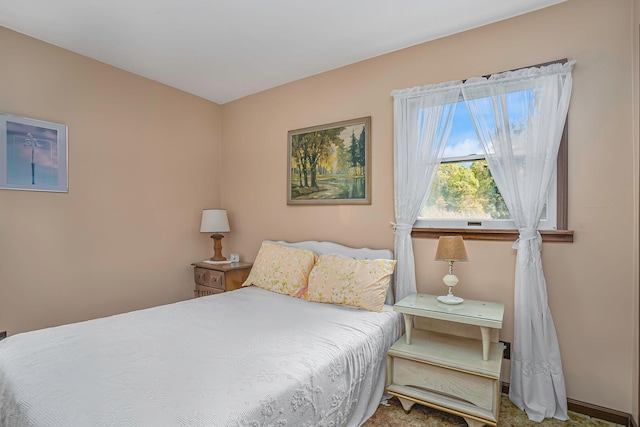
{"x":215,"y":221}
{"x":451,"y":249}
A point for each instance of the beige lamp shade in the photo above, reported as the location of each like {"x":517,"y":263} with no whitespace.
{"x":214,"y":221}
{"x":451,"y":248}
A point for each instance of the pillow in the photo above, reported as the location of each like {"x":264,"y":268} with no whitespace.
{"x":349,"y":281}
{"x":281,"y":269}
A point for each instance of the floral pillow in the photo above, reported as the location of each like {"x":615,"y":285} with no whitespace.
{"x":358,"y":283}
{"x":281,"y":269}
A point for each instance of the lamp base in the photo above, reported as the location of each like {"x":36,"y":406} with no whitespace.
{"x":217,"y":247}
{"x":450,"y":299}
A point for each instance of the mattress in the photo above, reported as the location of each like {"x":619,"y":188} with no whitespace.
{"x":244,"y":358}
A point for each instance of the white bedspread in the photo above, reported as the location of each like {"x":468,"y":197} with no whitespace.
{"x":244,"y":358}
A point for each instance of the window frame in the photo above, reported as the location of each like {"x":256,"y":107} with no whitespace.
{"x":560,"y":234}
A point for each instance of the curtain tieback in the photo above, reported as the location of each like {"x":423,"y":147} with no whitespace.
{"x":403,"y":228}
{"x":528,"y":234}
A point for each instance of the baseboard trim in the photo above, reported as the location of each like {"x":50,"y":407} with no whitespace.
{"x":595,"y":411}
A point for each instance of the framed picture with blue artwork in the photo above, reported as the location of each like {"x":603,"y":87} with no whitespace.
{"x":33,"y":155}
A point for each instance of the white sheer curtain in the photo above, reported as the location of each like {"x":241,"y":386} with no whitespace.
{"x":519,"y":117}
{"x":422,"y":123}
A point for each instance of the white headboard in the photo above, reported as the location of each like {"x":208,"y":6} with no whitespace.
{"x":326,"y":248}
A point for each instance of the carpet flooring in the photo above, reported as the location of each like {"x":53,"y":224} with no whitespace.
{"x":510,"y":416}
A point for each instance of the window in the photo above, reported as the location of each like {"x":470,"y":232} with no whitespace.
{"x":465,"y":200}
{"x":464,"y":194}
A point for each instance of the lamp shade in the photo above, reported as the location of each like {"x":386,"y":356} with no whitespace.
{"x":451,"y":248}
{"x":214,"y":221}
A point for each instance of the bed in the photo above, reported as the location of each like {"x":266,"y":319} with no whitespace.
{"x":250,"y":357}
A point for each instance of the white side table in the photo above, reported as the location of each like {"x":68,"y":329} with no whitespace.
{"x":446,"y":368}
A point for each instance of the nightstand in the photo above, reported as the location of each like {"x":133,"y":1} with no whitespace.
{"x":453,"y":362}
{"x":217,"y":278}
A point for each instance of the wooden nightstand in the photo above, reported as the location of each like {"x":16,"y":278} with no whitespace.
{"x":217,"y":278}
{"x":453,"y":363}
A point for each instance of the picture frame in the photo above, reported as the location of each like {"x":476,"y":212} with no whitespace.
{"x":330,"y":164}
{"x":33,"y":155}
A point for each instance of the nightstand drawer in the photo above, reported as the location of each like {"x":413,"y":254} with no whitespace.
{"x":200,"y":276}
{"x":209,"y":278}
{"x":203,"y":291}
{"x":476,"y":389}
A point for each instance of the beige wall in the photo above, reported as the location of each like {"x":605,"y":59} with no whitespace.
{"x":143,"y":162}
{"x":636,"y":169}
{"x":590,"y":282}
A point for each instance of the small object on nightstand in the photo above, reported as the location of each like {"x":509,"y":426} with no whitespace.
{"x":450,"y":249}
{"x":234,"y":257}
{"x":216,"y":278}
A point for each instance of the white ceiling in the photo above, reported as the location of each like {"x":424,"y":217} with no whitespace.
{"x":222,"y":50}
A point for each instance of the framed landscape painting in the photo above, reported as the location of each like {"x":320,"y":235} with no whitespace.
{"x":330,"y":164}
{"x":33,"y":154}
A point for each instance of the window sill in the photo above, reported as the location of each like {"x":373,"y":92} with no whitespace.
{"x":503,"y":235}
